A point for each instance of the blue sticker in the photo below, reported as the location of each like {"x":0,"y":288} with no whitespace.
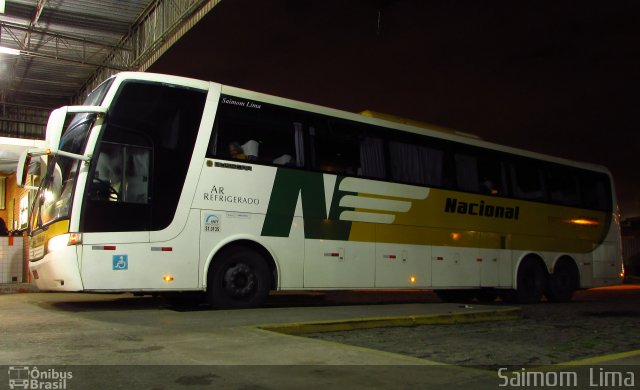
{"x":211,"y":223}
{"x":120,"y":262}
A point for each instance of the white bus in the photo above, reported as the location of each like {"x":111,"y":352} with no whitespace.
{"x":161,"y":183}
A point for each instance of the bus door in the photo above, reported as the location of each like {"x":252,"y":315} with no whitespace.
{"x":117,"y":216}
{"x":135,"y":185}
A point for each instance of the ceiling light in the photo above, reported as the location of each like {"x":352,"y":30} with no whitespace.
{"x":8,"y":50}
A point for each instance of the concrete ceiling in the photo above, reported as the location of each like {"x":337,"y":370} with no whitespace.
{"x":64,"y":48}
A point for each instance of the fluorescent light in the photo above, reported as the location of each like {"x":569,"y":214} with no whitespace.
{"x":2,"y":4}
{"x":8,"y":50}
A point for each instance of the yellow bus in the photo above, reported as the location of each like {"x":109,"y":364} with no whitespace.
{"x":161,"y":183}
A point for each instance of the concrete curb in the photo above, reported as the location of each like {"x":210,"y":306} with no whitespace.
{"x":382,"y":322}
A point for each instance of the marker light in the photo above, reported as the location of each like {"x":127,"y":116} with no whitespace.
{"x":62,"y":241}
{"x":455,"y":236}
{"x":584,"y":221}
{"x":75,"y":238}
{"x":412,"y":279}
{"x":168,"y":278}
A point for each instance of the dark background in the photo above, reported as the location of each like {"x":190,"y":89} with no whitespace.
{"x":557,"y":77}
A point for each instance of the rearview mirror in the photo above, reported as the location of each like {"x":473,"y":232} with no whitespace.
{"x":25,"y":161}
{"x":58,"y":117}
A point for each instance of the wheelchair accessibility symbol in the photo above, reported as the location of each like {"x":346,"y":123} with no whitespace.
{"x":120,"y":262}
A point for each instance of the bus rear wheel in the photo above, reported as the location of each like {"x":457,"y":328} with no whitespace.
{"x":238,"y":278}
{"x":563,"y":282}
{"x":532,"y":279}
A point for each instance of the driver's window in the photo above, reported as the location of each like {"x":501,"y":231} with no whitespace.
{"x":122,"y":174}
{"x":107,"y":179}
{"x":136,"y":175}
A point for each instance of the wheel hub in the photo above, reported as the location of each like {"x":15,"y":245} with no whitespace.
{"x":239,"y":280}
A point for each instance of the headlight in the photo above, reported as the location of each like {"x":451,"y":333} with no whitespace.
{"x":64,"y":240}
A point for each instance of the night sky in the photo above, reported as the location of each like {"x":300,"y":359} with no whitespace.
{"x":557,"y":77}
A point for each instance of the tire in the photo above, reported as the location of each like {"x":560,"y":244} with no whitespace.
{"x":461,"y":296}
{"x":532,"y":278}
{"x":563,"y":282}
{"x":238,"y":278}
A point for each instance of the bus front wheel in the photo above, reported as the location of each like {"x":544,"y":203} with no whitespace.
{"x":238,"y":278}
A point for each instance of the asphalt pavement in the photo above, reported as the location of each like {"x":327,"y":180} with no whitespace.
{"x":123,"y":341}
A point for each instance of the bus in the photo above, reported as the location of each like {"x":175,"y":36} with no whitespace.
{"x":160,"y":184}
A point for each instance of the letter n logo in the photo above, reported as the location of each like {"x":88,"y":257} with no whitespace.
{"x":309,"y":186}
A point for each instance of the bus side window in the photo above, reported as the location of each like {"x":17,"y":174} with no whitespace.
{"x":416,"y":164}
{"x":269,"y":135}
{"x":527,"y":181}
{"x":492,"y":175}
{"x":562,"y":185}
{"x":372,"y":162}
{"x":467,"y":172}
{"x":337,"y":150}
{"x":594,"y":191}
{"x":346,"y":148}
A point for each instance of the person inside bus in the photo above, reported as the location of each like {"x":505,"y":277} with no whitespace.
{"x":236,"y":152}
{"x":285,"y":159}
{"x":487,"y":187}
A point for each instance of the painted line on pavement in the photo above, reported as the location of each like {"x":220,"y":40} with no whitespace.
{"x":602,"y":358}
{"x":399,"y":321}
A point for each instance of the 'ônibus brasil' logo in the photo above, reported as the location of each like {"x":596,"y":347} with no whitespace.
{"x":330,"y":204}
{"x":24,"y":377}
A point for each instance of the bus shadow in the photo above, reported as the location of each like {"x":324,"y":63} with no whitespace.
{"x":186,"y":302}
{"x":348,"y":297}
{"x":121,"y":303}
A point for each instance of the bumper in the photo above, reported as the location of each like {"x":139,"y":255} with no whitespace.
{"x":57,"y":271}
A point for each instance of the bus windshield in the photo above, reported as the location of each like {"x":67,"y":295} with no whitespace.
{"x":53,"y":201}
